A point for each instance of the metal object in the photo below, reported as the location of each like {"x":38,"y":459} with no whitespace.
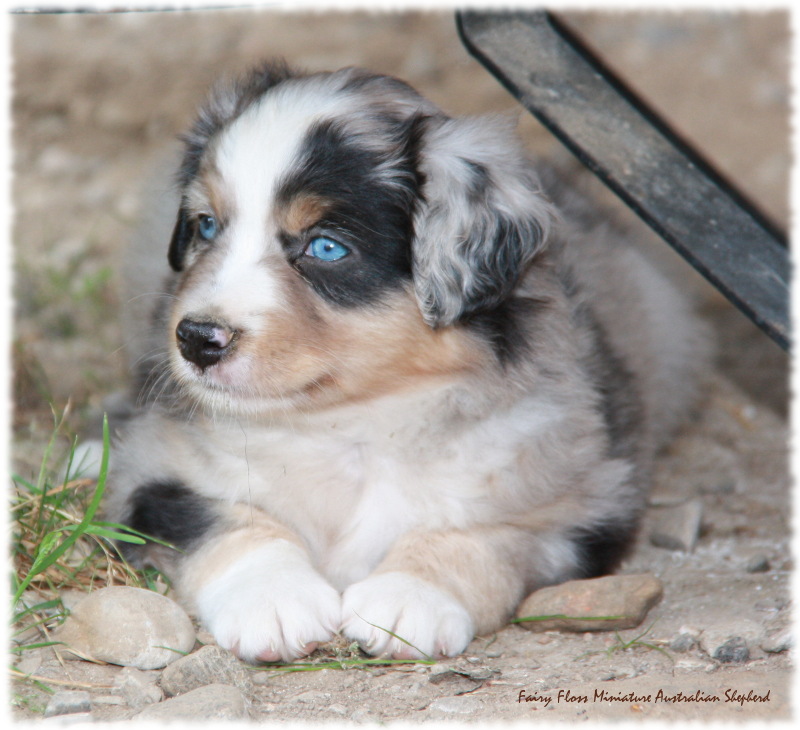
{"x":633,"y":151}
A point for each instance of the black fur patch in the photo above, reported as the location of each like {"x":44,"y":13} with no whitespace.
{"x":171,"y":512}
{"x":507,"y":327}
{"x":182,"y":236}
{"x":372,"y":218}
{"x":601,"y":548}
{"x":620,"y":402}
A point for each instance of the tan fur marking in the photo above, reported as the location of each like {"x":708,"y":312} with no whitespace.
{"x":336,"y":357}
{"x":302,"y":212}
{"x":248,"y":529}
{"x":483,"y":568}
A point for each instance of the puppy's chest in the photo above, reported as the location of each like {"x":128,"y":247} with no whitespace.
{"x":348,"y":496}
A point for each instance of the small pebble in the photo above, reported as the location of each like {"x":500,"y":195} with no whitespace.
{"x":757,"y":564}
{"x":733,"y":651}
{"x":678,"y":528}
{"x":208,"y":665}
{"x":683,"y":642}
{"x":213,"y":702}
{"x":68,"y":702}
{"x":777,"y":641}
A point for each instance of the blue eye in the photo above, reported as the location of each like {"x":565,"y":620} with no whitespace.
{"x":326,"y":249}
{"x":207,"y":227}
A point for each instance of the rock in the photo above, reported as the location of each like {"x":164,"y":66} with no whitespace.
{"x":578,"y":604}
{"x":209,"y":665}
{"x":68,"y":702}
{"x":138,"y":688}
{"x":777,"y":640}
{"x":733,"y":651}
{"x":757,"y":564}
{"x":678,"y":527}
{"x":74,"y":718}
{"x":453,"y":682}
{"x":212,"y":702}
{"x":683,"y":642}
{"x":157,"y":630}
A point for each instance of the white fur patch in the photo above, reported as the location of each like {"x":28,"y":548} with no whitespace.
{"x":269,"y":605}
{"x":86,"y":461}
{"x":432,"y":622}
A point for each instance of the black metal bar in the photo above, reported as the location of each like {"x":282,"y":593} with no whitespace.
{"x":635,"y":152}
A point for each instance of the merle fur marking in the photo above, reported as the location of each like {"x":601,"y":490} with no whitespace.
{"x":370,"y":216}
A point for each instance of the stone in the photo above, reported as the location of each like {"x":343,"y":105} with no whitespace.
{"x":132,"y":627}
{"x":212,"y":702}
{"x":208,"y":665}
{"x":733,"y":651}
{"x":683,"y":643}
{"x":757,"y":564}
{"x":579,"y":604}
{"x":74,"y":718}
{"x":777,"y":640}
{"x":453,"y":682}
{"x":677,"y":528}
{"x":138,"y":688}
{"x":68,"y":702}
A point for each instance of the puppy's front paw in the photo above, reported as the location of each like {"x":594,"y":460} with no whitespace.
{"x":270,"y":605}
{"x":413,"y":609}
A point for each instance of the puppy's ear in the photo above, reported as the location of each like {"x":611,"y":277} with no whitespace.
{"x":481,"y":221}
{"x":181,"y":238}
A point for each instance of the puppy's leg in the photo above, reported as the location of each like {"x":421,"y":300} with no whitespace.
{"x":437,"y":590}
{"x":248,"y":578}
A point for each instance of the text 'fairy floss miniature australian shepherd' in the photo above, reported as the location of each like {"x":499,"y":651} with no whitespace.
{"x":395,"y":378}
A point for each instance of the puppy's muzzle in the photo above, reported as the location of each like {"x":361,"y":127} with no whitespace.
{"x":204,"y":343}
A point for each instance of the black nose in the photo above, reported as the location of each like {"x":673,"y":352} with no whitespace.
{"x":204,"y":343}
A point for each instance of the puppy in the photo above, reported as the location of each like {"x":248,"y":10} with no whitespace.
{"x":395,"y":380}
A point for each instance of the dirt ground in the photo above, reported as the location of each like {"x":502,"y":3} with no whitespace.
{"x":97,"y":101}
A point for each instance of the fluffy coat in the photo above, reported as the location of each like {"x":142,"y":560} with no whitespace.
{"x":412,"y":436}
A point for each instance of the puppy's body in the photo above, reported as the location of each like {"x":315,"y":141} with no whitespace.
{"x":414,"y":434}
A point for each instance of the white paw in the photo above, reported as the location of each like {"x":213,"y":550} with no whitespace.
{"x":430,"y":620}
{"x":270,"y":605}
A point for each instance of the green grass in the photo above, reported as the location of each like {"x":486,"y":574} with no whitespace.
{"x":59,"y":543}
{"x":335,"y":656}
{"x":635,"y":642}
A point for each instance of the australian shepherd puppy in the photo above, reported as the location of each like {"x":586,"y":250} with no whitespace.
{"x":395,"y":381}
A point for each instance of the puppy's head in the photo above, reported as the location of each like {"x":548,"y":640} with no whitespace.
{"x":336,"y":236}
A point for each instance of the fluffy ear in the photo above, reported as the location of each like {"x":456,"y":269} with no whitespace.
{"x":482,"y":219}
{"x":181,"y":237}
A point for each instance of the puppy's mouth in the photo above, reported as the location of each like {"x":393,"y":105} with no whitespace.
{"x":231,"y":382}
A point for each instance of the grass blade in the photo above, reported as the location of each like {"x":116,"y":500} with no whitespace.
{"x":47,"y":554}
